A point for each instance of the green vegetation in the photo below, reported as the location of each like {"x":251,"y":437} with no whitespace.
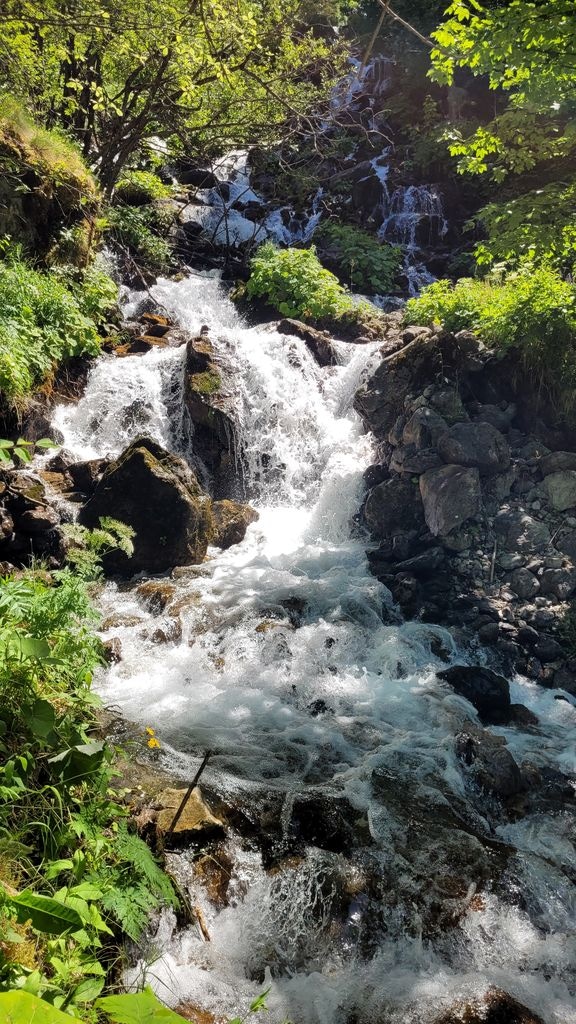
{"x":364,"y":261}
{"x":539,"y":225}
{"x":140,"y":187}
{"x":139,"y":231}
{"x":44,"y":321}
{"x":206,"y":383}
{"x":527,"y":50}
{"x":296,"y":283}
{"x":113,"y":75}
{"x":532,"y":309}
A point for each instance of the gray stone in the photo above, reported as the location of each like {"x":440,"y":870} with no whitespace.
{"x":449,"y":404}
{"x":407,"y":459}
{"x":567,"y":544}
{"x":392,"y":506}
{"x":547,"y":649}
{"x":561,"y":489}
{"x":498,"y":417}
{"x":490,"y":764}
{"x":520,"y":532}
{"x":475,"y":444}
{"x":559,"y":582}
{"x":557,"y":462}
{"x":424,"y":565}
{"x":524,"y":584}
{"x":451,"y":495}
{"x":424,"y":428}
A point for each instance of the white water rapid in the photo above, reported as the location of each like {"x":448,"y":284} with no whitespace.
{"x":292,"y":668}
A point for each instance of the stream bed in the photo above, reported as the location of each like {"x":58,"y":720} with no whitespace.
{"x":324,"y":715}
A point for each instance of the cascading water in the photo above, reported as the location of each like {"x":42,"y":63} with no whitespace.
{"x":294,"y":670}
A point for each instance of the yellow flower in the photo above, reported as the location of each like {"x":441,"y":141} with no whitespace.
{"x":149,"y":731}
{"x":153,"y":742}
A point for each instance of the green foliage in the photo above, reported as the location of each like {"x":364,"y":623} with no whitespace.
{"x":42,"y":323}
{"x":140,"y":187}
{"x":206,"y":383}
{"x":539,"y":225}
{"x":73,"y":877}
{"x":296,"y":283}
{"x":527,"y":50}
{"x":532,"y":309}
{"x":86,"y":548}
{"x":21,"y":451}
{"x":364,"y":261}
{"x":137,"y":230}
{"x":138,"y":1008}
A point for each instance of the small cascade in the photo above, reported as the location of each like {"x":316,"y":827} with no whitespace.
{"x":292,"y":667}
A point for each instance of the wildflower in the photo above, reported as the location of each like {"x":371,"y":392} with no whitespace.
{"x":152,"y":742}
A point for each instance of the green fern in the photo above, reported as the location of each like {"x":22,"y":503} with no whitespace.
{"x":130,"y":907}
{"x":133,"y":850}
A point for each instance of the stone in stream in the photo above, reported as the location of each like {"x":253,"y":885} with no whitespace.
{"x":487,"y":691}
{"x":496,"y":1007}
{"x":317,"y":342}
{"x":392,"y":506}
{"x":231,"y":519}
{"x":196,"y":819}
{"x":158,"y":495}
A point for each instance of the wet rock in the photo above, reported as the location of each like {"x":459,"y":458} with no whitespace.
{"x":324,"y":821}
{"x":118,"y":621}
{"x":487,"y":691}
{"x":520,"y":532}
{"x":170,"y":633}
{"x":489,"y":763}
{"x":496,"y":1007}
{"x":207,"y":404}
{"x":522,"y":716}
{"x":475,"y":444}
{"x":524,"y":584}
{"x":561,"y":488}
{"x":424,"y":428}
{"x":424,"y":565}
{"x":112,"y":650}
{"x":451,"y":495}
{"x":557,"y":462}
{"x":196,"y":820}
{"x":565,"y":679}
{"x":38,"y":520}
{"x":547,"y":649}
{"x":86,"y":475}
{"x":231,"y":519}
{"x":155,"y":595}
{"x":158,"y":495}
{"x":317,"y":342}
{"x":391,"y":507}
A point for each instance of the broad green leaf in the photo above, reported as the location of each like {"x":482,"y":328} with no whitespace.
{"x":139,"y":1008}
{"x":43,"y":718}
{"x":32,"y":647}
{"x":45,"y":442}
{"x":88,"y":990}
{"x":46,"y":914}
{"x":23,"y":1008}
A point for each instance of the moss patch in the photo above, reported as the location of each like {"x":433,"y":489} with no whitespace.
{"x":206,"y":383}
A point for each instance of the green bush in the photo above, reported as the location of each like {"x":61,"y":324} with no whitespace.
{"x":364,"y":261}
{"x":42,"y":323}
{"x":139,"y":231}
{"x":532,"y":309}
{"x":136,"y":188}
{"x":296,"y":283}
{"x":539,"y":225}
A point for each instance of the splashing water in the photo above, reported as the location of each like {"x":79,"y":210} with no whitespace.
{"x":294,"y":670}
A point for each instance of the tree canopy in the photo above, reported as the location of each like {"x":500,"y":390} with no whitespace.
{"x":207,"y":73}
{"x":527,"y":48}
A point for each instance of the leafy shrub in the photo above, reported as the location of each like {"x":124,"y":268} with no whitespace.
{"x":532,"y":309}
{"x":365,"y":262}
{"x":539,"y":225}
{"x":136,"y":188}
{"x":42,"y":323}
{"x":139,"y":230}
{"x":296,"y":283}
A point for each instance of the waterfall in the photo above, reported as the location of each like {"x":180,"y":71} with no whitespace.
{"x":340,"y":703}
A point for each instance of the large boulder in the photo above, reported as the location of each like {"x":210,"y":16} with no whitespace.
{"x":561,"y":487}
{"x":207,"y":404}
{"x":391,"y":507}
{"x":475,"y":444}
{"x":488,"y":692}
{"x":158,"y":495}
{"x":451,"y":495}
{"x":520,"y":532}
{"x":317,"y":342}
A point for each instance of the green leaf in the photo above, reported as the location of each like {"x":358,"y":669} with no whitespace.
{"x":140,"y":1008}
{"x":79,"y":762}
{"x":23,"y":1008}
{"x":88,"y":990}
{"x":43,"y":718}
{"x":46,"y":914}
{"x":260,"y":1002}
{"x":32,"y":647}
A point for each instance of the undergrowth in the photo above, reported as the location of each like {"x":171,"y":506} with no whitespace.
{"x":75,"y":880}
{"x":361,"y":259}
{"x":46,"y":318}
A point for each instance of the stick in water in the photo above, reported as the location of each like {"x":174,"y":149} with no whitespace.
{"x":188,"y":792}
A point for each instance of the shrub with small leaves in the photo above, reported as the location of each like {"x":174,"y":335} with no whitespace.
{"x":136,"y":188}
{"x":296,"y":283}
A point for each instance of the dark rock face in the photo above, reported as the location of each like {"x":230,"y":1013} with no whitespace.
{"x":485,"y":689}
{"x":451,"y":496}
{"x":489,"y":765}
{"x":391,"y":507}
{"x":160,"y":498}
{"x":230,"y":520}
{"x":208,"y":408}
